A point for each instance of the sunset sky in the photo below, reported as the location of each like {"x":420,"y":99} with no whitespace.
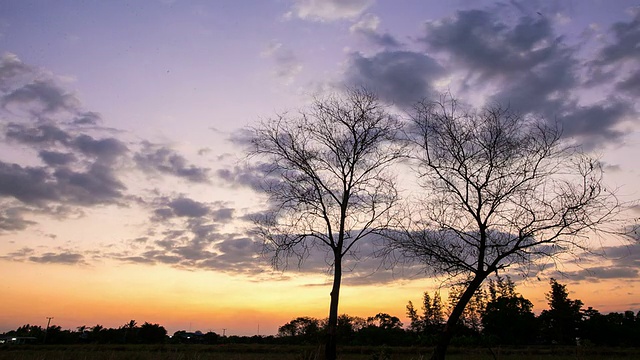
{"x":125,"y":191}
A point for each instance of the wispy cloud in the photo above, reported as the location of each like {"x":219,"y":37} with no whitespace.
{"x":328,"y":10}
{"x":287,"y":64}
{"x":367,"y":27}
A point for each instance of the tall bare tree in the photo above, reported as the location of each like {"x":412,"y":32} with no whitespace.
{"x":330,"y":184}
{"x":500,"y":189}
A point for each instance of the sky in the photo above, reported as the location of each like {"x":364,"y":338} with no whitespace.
{"x":125,"y":192}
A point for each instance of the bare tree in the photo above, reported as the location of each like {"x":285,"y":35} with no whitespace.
{"x":501,"y":190}
{"x":330,"y":185}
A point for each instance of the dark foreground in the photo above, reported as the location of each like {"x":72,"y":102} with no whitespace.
{"x":289,"y":352}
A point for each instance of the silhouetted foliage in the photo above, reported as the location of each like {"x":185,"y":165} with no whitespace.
{"x":470,"y":321}
{"x":430,"y":323}
{"x":303,"y":329}
{"x":508,"y":317}
{"x":382,"y":329}
{"x":560,"y":323}
{"x":152,"y":333}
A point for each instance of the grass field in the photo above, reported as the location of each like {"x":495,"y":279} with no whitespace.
{"x":273,"y":352}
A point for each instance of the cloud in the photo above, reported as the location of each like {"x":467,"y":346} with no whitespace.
{"x":258,"y":176}
{"x":402,"y":77}
{"x":164,"y":160}
{"x":526,"y":65}
{"x":182,"y":207}
{"x":59,"y":258}
{"x":328,"y":10}
{"x":63,"y":257}
{"x":11,"y":67}
{"x":67,"y":161}
{"x":98,"y":185}
{"x":202,"y":250}
{"x":26,"y":184}
{"x":288,"y":66}
{"x":597,"y":122}
{"x":186,"y":234}
{"x":11,"y":218}
{"x":87,"y":118}
{"x":631,"y":84}
{"x":45,"y":96}
{"x":479,"y":40}
{"x":106,"y":150}
{"x":54,"y":158}
{"x":46,"y":134}
{"x":367,"y":27}
{"x":623,"y":262}
{"x":626,"y":40}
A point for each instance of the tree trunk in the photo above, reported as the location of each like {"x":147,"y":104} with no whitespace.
{"x":447,"y":333}
{"x":330,"y":350}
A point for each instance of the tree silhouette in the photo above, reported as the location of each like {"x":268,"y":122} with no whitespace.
{"x":329,"y":186}
{"x":562,"y":320}
{"x":129,"y":331}
{"x":304,"y":328}
{"x":501,"y":190}
{"x":152,"y":333}
{"x":432,"y":318}
{"x":508,"y":316}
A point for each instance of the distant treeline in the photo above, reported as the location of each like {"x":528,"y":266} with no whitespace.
{"x":497,"y":315}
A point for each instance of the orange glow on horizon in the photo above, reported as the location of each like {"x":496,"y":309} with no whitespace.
{"x":113,"y":294}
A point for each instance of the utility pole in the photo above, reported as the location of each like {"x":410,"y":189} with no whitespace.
{"x":47,"y":329}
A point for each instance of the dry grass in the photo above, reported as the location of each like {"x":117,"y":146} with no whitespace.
{"x":274,"y":352}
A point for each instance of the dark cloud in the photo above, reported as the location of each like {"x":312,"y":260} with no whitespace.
{"x":526,"y":65}
{"x":186,"y":234}
{"x":44,"y":95}
{"x":602,"y":272}
{"x":223,"y":253}
{"x":624,"y":255}
{"x":254,"y":176}
{"x":187,"y":207}
{"x":597,"y":121}
{"x":98,"y":185}
{"x":622,"y":262}
{"x":60,"y":258}
{"x":626,"y":45}
{"x":401,"y":77}
{"x":385,"y":39}
{"x":19,"y":255}
{"x":78,"y":169}
{"x":183,"y":207}
{"x":38,"y":185}
{"x":11,"y":219}
{"x":478,"y":40}
{"x":107,"y":149}
{"x":87,"y":118}
{"x":223,"y":215}
{"x":27,"y":184}
{"x":54,"y":158}
{"x":63,"y":256}
{"x":631,"y":84}
{"x":161,"y":159}
{"x":42,"y":135}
